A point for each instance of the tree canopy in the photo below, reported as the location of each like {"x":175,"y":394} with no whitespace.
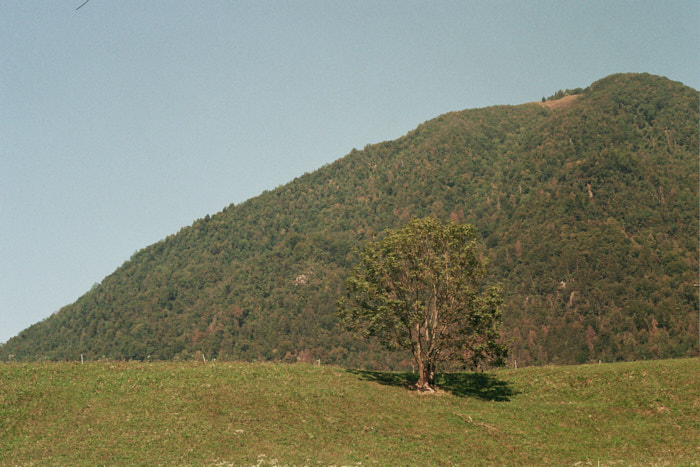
{"x":421,"y":288}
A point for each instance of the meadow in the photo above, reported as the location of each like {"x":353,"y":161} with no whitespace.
{"x":216,"y":413}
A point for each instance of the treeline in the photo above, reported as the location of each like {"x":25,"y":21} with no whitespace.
{"x":589,"y":214}
{"x":559,"y":94}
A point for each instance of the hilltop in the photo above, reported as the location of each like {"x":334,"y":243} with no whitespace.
{"x":588,"y":211}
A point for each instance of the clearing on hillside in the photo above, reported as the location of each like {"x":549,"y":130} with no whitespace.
{"x":560,"y":103}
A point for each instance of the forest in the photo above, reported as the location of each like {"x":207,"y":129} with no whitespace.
{"x":588,"y":211}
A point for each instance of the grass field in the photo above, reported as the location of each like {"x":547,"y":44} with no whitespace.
{"x":643,"y":413}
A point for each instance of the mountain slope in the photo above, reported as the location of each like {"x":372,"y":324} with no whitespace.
{"x":588,"y":210}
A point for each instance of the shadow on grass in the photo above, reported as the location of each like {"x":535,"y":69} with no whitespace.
{"x":478,"y":385}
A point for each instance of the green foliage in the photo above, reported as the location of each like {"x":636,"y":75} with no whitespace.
{"x":420,"y":288}
{"x":559,"y":94}
{"x":588,"y":212}
{"x":641,"y":413}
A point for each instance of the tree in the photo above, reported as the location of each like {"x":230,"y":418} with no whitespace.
{"x":422,"y":288}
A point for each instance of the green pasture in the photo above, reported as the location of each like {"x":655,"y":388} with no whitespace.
{"x":215,"y":413}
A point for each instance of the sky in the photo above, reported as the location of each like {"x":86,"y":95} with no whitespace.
{"x":123,"y":121}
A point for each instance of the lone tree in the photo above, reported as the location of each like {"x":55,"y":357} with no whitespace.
{"x":421,"y":288}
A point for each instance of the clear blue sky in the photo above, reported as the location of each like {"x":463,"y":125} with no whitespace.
{"x":124,"y":121}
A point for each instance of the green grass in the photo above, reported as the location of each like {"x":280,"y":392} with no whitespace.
{"x":263,"y":414}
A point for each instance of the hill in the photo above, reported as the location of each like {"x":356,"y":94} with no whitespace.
{"x":642,"y":413}
{"x":588,"y":211}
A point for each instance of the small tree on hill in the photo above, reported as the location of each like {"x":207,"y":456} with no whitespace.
{"x":421,"y":288}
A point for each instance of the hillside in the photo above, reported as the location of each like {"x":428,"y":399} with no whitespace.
{"x":588,"y":211}
{"x":641,"y":413}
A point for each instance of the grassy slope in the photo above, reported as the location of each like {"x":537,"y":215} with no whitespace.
{"x":238,"y":413}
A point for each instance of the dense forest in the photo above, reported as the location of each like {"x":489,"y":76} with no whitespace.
{"x":587,"y":203}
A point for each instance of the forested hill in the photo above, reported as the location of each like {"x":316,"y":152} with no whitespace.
{"x":587,"y":204}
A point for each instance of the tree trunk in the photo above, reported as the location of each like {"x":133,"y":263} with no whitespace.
{"x":426,"y":376}
{"x":425,"y":369}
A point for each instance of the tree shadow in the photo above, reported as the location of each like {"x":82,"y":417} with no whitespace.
{"x":482,"y":386}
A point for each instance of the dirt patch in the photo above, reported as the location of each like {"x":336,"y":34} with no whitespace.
{"x":560,"y":103}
